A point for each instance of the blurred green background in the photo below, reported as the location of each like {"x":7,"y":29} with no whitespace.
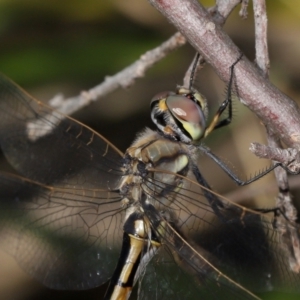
{"x":50,"y":47}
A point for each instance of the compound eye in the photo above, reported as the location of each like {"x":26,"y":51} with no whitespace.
{"x":189,"y":114}
{"x":160,"y":96}
{"x":200,"y":99}
{"x":184,"y":109}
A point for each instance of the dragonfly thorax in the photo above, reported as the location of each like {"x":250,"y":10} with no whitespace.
{"x":181,"y":115}
{"x":154,"y":166}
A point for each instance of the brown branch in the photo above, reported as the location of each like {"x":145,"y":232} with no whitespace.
{"x":288,"y":157}
{"x":286,"y":224}
{"x":263,"y":62}
{"x":276,"y":110}
{"x":124,"y":78}
{"x":261,"y":40}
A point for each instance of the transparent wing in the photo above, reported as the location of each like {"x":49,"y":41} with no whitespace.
{"x":66,"y":238}
{"x":164,"y":279}
{"x":50,"y":148}
{"x":229,"y":250}
{"x":64,"y":226}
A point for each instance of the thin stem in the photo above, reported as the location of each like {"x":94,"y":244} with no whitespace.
{"x":124,"y":78}
{"x":261,"y":36}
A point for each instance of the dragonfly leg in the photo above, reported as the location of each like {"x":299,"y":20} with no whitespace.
{"x":230,"y":173}
{"x":227,"y":103}
{"x":216,"y":204}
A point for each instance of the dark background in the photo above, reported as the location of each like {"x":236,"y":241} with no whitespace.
{"x":51,"y":47}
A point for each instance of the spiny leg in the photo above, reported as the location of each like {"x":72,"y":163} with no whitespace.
{"x":227,"y":103}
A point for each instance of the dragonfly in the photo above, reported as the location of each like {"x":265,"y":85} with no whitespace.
{"x":80,"y":213}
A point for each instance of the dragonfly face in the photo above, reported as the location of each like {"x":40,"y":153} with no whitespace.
{"x":83,"y":213}
{"x":181,"y":115}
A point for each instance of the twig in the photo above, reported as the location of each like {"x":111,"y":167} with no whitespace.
{"x":243,"y":11}
{"x":263,"y":62}
{"x":217,"y":48}
{"x":124,"y":78}
{"x":288,"y":157}
{"x":286,"y":224}
{"x":261,"y":40}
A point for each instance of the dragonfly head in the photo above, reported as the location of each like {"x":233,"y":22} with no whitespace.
{"x":181,"y":115}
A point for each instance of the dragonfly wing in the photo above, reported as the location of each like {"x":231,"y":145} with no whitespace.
{"x":50,"y":148}
{"x":64,"y":223}
{"x":164,"y":279}
{"x":192,"y":272}
{"x":227,"y":248}
{"x":66,"y":238}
